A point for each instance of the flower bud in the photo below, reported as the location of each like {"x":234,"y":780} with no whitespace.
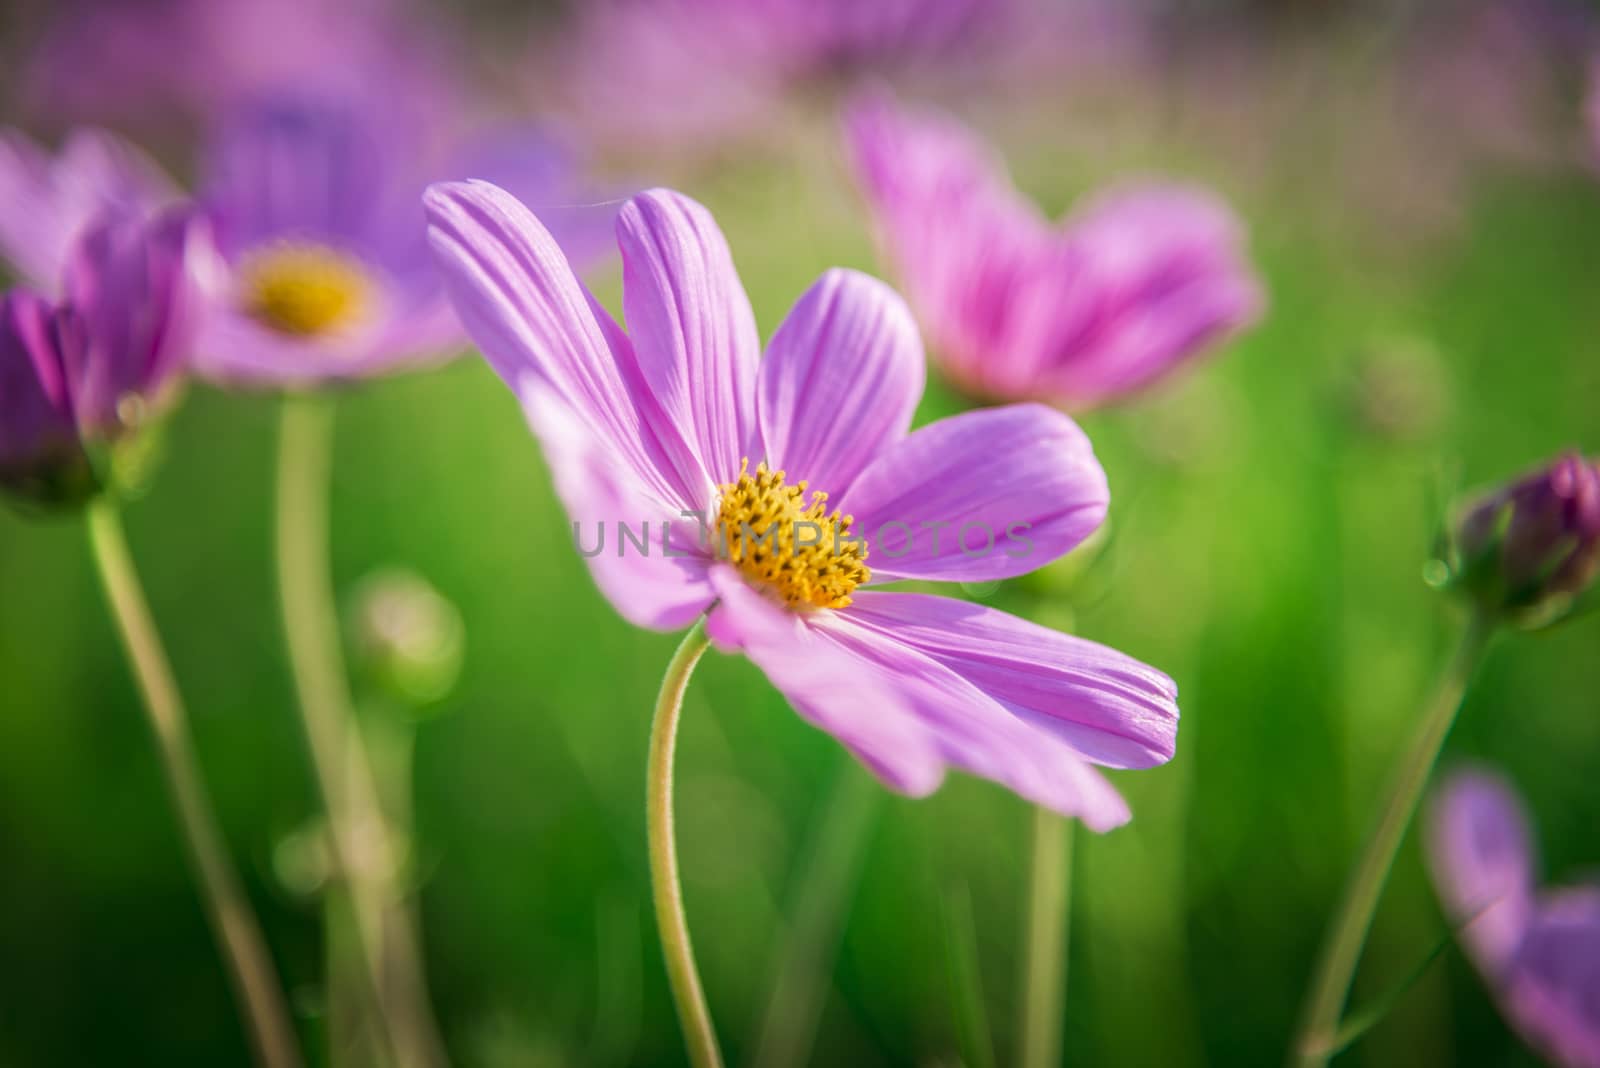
{"x":407,"y":639}
{"x":1532,"y":548}
{"x":42,"y":459}
{"x":80,"y":380}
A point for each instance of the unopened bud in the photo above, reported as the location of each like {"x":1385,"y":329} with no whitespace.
{"x":1532,"y":548}
{"x":407,"y":638}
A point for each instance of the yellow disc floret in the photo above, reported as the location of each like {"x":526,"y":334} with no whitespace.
{"x":795,"y":550}
{"x":303,"y":289}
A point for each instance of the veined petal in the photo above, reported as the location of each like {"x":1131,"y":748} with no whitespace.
{"x":519,"y":300}
{"x":975,"y":732}
{"x":1482,"y":858}
{"x":841,"y":379}
{"x":649,"y":561}
{"x":691,"y":326}
{"x":1108,"y":706}
{"x":860,"y":707}
{"x":985,"y":495}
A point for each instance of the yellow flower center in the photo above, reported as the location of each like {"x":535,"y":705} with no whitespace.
{"x":303,"y":289}
{"x":799,"y":552}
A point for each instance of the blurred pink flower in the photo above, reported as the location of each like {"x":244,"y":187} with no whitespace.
{"x":156,"y":61}
{"x":682,"y":416}
{"x":47,"y":201}
{"x":1136,"y":282}
{"x":1539,"y":951}
{"x":684,"y":72}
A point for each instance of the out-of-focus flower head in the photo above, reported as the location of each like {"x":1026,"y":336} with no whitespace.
{"x":1491,"y":78}
{"x":1591,"y":113}
{"x":1539,"y":951}
{"x":151,"y":62}
{"x":1134,"y":283}
{"x":316,"y":206}
{"x":1529,"y":550}
{"x":687,"y":72}
{"x":682,"y":415}
{"x":48,"y":201}
{"x":80,"y":378}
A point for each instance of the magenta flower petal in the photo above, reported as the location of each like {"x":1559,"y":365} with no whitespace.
{"x":133,"y":283}
{"x":985,"y":495}
{"x":1122,"y":292}
{"x":38,"y":430}
{"x":841,"y":379}
{"x":1552,"y":988}
{"x":1483,"y":864}
{"x":645,"y":559}
{"x":519,"y":298}
{"x":691,"y":326}
{"x":976,"y":733}
{"x":1108,"y":706}
{"x":863,"y":709}
{"x":47,"y":203}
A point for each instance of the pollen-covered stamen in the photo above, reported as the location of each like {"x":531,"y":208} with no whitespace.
{"x":796,"y":550}
{"x":303,"y":289}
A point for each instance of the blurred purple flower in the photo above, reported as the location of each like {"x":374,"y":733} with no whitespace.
{"x":159,"y":60}
{"x":47,"y":202}
{"x":682,"y":71}
{"x":682,"y":416}
{"x":1078,"y":313}
{"x":1538,"y":951}
{"x":100,"y":364}
{"x":1591,"y":112}
{"x":316,"y":205}
{"x":1535,"y":541}
{"x":1492,"y":77}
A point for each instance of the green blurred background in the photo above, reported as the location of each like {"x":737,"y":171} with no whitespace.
{"x":1434,"y":324}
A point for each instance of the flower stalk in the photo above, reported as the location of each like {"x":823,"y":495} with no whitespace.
{"x":363,"y":854}
{"x":666,"y":884}
{"x":233,"y":923}
{"x":1317,"y":1038}
{"x":1045,"y":940}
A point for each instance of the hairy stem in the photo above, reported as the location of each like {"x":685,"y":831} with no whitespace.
{"x":699,"y":1034}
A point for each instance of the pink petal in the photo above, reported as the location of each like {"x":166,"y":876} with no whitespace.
{"x":691,"y":326}
{"x":840,"y":381}
{"x":519,"y":300}
{"x":1481,"y":857}
{"x":1108,"y":706}
{"x":985,"y":495}
{"x":828,"y":688}
{"x":1552,"y":992}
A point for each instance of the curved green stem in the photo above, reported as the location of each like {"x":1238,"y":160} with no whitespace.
{"x":695,"y":1017}
{"x":363,"y":853}
{"x":1341,"y":951}
{"x":233,"y":924}
{"x":1045,"y":940}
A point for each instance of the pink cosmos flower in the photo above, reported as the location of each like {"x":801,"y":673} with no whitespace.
{"x":1133,"y":284}
{"x":683,"y":415}
{"x":1539,"y":951}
